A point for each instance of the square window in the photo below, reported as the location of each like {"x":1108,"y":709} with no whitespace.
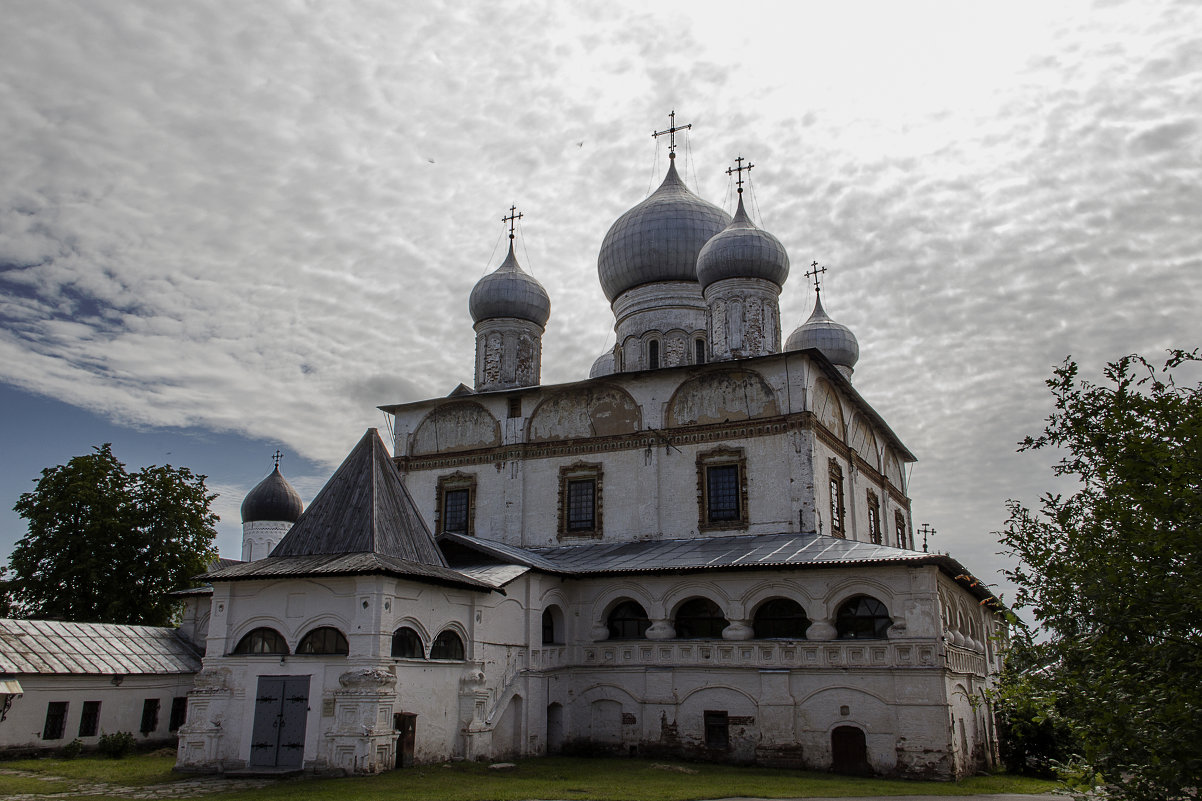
{"x":515,"y":407}
{"x":454,"y":511}
{"x":150,"y":715}
{"x":89,"y":721}
{"x":722,"y":492}
{"x":179,"y":713}
{"x":580,"y":500}
{"x":56,"y":720}
{"x":581,"y":504}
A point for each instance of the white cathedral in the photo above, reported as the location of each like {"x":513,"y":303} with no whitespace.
{"x":705,"y":549}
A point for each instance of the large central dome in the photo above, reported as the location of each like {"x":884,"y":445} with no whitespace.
{"x":659,"y":239}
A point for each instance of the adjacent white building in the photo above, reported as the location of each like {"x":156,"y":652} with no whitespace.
{"x":704,"y":549}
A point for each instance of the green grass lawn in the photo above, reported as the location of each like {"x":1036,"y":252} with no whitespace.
{"x":550,"y":778}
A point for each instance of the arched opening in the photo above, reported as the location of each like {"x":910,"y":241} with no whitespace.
{"x":265,"y":641}
{"x":780,"y":619}
{"x":849,"y":751}
{"x":552,"y":626}
{"x":653,"y":354}
{"x":447,"y":645}
{"x":324,"y":640}
{"x":628,"y":621}
{"x":407,"y":644}
{"x":700,"y":619}
{"x":862,"y":618}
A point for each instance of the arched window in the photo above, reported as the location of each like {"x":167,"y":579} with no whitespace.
{"x":699,"y":618}
{"x":324,"y":640}
{"x":263,"y":641}
{"x":447,"y":645}
{"x":862,"y":618}
{"x":628,"y":621}
{"x":653,"y":354}
{"x":552,"y":627}
{"x":406,"y":644}
{"x":780,"y":619}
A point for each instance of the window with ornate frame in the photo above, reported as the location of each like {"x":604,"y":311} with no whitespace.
{"x":874,"y":518}
{"x":580,"y":500}
{"x":722,"y":489}
{"x":447,"y":645}
{"x":407,"y":644}
{"x":455,"y":508}
{"x":899,"y":523}
{"x":838,"y":510}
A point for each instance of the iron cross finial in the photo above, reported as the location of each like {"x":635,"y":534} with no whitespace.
{"x":276,"y":457}
{"x":511,"y":218}
{"x":926,"y":531}
{"x":671,"y":131}
{"x":814,"y":272}
{"x":739,"y":170}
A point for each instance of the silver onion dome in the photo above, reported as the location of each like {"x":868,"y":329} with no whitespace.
{"x":273,"y":498}
{"x":604,"y":365}
{"x":836,"y":341}
{"x":659,"y":239}
{"x":509,"y":292}
{"x":742,"y":250}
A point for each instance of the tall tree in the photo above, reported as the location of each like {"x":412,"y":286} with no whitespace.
{"x":1113,"y":573}
{"x":105,"y":545}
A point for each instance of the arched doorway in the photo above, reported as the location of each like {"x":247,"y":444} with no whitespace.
{"x":849,"y":751}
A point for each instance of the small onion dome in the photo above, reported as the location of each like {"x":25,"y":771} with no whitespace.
{"x":742,"y":251}
{"x":836,"y":341}
{"x":604,"y":365}
{"x":273,"y":499}
{"x":509,"y":292}
{"x":659,"y":239}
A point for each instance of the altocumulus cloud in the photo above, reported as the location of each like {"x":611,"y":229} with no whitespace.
{"x":266,"y":218}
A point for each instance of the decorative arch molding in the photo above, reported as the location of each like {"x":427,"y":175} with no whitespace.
{"x":751,"y":699}
{"x":683,"y":591}
{"x":457,"y":426}
{"x":851,"y":587}
{"x":606,"y":691}
{"x":289,"y":633}
{"x":894,"y":473}
{"x":597,"y":410}
{"x":841,"y":688}
{"x":326,"y":620}
{"x":827,"y":408}
{"x":626,"y":591}
{"x":762,"y":593}
{"x":721,"y":396}
{"x":409,"y":622}
{"x":862,"y":439}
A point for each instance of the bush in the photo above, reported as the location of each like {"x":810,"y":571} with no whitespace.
{"x":71,"y":749}
{"x":116,"y":745}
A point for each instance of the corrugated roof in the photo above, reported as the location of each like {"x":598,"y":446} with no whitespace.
{"x":736,"y":552}
{"x":56,"y":647}
{"x":348,"y":564}
{"x":363,"y":508}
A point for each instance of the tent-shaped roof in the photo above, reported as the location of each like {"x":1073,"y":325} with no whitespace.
{"x":363,"y":508}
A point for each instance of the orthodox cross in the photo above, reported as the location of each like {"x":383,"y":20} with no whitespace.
{"x":814,"y":271}
{"x":739,"y":171}
{"x":926,"y":531}
{"x":277,"y":456}
{"x":671,"y":131}
{"x":511,"y":218}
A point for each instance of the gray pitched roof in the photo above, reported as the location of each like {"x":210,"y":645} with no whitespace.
{"x":736,"y":552}
{"x":56,"y":647}
{"x":346,"y":564}
{"x":363,"y":508}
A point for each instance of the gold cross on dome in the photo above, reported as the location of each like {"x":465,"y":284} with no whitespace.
{"x":671,"y":132}
{"x":739,"y":171}
{"x":814,"y":272}
{"x":511,"y":218}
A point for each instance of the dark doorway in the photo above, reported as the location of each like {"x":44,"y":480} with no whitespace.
{"x":406,"y":725}
{"x":849,"y":751}
{"x":555,"y":728}
{"x":281,"y":710}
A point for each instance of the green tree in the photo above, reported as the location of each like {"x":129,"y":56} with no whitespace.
{"x":1113,"y":573}
{"x":105,"y":545}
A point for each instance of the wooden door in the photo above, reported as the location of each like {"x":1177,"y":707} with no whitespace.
{"x":281,"y":712}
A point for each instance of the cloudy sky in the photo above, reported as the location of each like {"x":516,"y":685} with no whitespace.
{"x":227,"y":227}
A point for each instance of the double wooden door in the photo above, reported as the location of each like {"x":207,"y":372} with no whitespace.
{"x":281,"y":710}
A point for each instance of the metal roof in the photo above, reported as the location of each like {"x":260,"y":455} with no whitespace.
{"x":363,"y":508}
{"x":57,"y":647}
{"x":736,"y":552}
{"x":273,"y":498}
{"x":344,"y":564}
